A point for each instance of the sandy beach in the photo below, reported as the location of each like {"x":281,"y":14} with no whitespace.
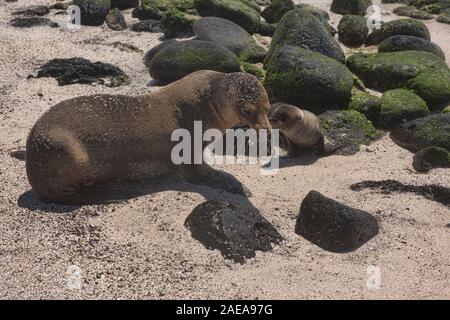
{"x":140,"y":248}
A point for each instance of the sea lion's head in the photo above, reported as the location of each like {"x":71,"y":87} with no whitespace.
{"x":284,"y":116}
{"x":247,"y":98}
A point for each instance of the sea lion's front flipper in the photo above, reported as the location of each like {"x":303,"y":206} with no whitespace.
{"x":205,"y":175}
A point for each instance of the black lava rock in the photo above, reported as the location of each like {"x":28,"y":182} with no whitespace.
{"x":237,"y":232}
{"x":29,"y":22}
{"x":334,"y":226}
{"x":79,"y":70}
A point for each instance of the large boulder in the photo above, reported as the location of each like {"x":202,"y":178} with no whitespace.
{"x":358,"y":7}
{"x":348,"y":129}
{"x":407,"y":27}
{"x":240,"y":12}
{"x":236,"y":232}
{"x":320,"y":14}
{"x":300,"y":28}
{"x":400,"y":105}
{"x":179,"y":59}
{"x":353,"y":30}
{"x":423,"y":72}
{"x":430,"y":131}
{"x":276,"y":10}
{"x":229,"y":34}
{"x":334,"y":226}
{"x":175,"y":23}
{"x":303,"y":77}
{"x":93,"y":12}
{"x":405,"y":43}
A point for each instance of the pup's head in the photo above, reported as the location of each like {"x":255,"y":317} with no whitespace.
{"x":248,"y":98}
{"x":285,"y":116}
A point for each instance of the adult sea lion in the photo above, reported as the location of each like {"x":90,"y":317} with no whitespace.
{"x":301,"y":127}
{"x":102,"y":139}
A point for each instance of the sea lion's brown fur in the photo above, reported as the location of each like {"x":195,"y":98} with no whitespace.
{"x":102,"y":139}
{"x":301,"y":127}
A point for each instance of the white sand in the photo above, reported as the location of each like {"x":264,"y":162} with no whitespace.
{"x":140,"y":248}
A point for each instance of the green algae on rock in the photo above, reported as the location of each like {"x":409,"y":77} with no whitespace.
{"x":353,"y":30}
{"x":400,"y":105}
{"x":300,"y":28}
{"x":406,"y":43}
{"x":240,"y":12}
{"x":408,"y":27}
{"x":423,"y":72}
{"x":349,"y":129}
{"x":229,"y":34}
{"x":367,"y":104}
{"x":179,"y":59}
{"x":303,"y":77}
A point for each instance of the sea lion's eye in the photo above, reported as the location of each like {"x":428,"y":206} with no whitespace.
{"x":246,"y":111}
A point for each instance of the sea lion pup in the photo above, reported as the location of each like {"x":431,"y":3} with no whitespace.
{"x":104,"y":139}
{"x":301,"y":127}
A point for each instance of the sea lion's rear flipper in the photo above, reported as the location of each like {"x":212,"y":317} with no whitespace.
{"x":324,"y":151}
{"x":207,"y":176}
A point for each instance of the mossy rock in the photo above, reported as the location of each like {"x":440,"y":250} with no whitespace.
{"x":267,"y":29}
{"x":320,"y":15}
{"x":423,"y":72}
{"x":400,"y":105}
{"x":357,"y":7}
{"x":353,"y":30}
{"x":155,"y":9}
{"x":150,"y":54}
{"x":349,"y":129}
{"x":367,"y":104}
{"x":433,"y":85}
{"x":179,"y":59}
{"x":446,"y":110}
{"x":253,"y":70}
{"x":303,"y":77}
{"x":407,"y":27}
{"x":431,"y":158}
{"x":240,"y":12}
{"x":405,"y":43}
{"x":175,"y":23}
{"x":276,"y":9}
{"x":444,"y":17}
{"x":430,"y":131}
{"x":412,"y":12}
{"x":93,"y":12}
{"x":300,"y":28}
{"x":229,"y":34}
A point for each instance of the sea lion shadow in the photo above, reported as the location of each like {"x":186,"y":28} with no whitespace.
{"x":29,"y":200}
{"x":303,"y":159}
{"x":115,"y":194}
